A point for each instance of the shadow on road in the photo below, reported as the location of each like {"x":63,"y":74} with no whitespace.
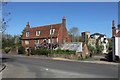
{"x":6,"y":59}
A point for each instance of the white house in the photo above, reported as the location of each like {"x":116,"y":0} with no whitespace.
{"x":100,"y":40}
{"x":116,"y":41}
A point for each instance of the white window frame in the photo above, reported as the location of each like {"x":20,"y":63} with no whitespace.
{"x":48,"y":40}
{"x":52,"y":31}
{"x":27,"y":34}
{"x":57,"y":40}
{"x":27,"y":42}
{"x":38,"y":33}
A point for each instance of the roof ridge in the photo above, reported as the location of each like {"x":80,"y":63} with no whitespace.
{"x":45,"y":25}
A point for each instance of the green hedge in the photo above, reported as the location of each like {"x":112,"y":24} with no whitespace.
{"x":40,"y":51}
{"x":59,"y":51}
{"x":21,"y":50}
{"x":48,"y":51}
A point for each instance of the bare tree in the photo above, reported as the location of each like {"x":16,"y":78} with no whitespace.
{"x":74,"y":31}
{"x":4,"y":19}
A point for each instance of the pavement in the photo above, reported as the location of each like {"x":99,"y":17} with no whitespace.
{"x":97,"y":62}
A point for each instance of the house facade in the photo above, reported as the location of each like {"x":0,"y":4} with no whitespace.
{"x":115,"y":40}
{"x":50,"y":34}
{"x":98,"y":39}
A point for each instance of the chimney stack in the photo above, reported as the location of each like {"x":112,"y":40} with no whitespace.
{"x":113,"y":29}
{"x":64,"y":21}
{"x":27,"y":25}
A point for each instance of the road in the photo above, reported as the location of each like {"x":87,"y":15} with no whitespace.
{"x":28,"y":67}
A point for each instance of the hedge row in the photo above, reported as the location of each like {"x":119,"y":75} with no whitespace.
{"x":48,"y":51}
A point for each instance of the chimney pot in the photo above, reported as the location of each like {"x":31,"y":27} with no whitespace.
{"x":113,"y":23}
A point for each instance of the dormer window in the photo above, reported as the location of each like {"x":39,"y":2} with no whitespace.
{"x":27,"y":34}
{"x":37,"y":33}
{"x":52,"y":31}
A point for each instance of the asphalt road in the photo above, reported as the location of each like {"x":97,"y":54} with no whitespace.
{"x":25,"y":67}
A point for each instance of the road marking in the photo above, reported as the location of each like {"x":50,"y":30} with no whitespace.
{"x":46,"y":69}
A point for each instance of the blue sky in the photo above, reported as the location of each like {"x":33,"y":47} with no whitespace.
{"x":87,"y":16}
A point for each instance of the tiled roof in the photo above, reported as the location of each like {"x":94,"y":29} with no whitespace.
{"x":44,"y":31}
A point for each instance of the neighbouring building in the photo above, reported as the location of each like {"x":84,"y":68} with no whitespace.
{"x":85,"y":36}
{"x":54,"y":33}
{"x":98,"y":39}
{"x":115,"y":40}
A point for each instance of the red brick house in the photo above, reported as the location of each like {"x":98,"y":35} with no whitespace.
{"x":54,"y":33}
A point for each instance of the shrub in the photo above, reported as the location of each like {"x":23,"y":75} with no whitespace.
{"x":40,"y":51}
{"x":33,"y":52}
{"x":7,"y":49}
{"x":48,"y":51}
{"x":21,"y":50}
{"x":59,"y":51}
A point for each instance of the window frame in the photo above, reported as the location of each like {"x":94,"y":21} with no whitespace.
{"x":27,"y":42}
{"x":27,"y":34}
{"x":52,"y":31}
{"x":38,"y":33}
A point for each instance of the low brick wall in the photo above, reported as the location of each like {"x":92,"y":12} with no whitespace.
{"x":70,"y":56}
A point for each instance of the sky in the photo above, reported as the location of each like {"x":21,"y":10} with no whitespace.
{"x":87,"y":16}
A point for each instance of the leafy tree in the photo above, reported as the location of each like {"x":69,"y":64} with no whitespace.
{"x":92,"y":49}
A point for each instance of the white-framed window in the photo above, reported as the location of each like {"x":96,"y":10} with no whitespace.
{"x":27,"y":34}
{"x":52,"y":31}
{"x":37,"y":33}
{"x":48,"y":40}
{"x":36,"y":41}
{"x":27,"y":42}
{"x":57,"y":40}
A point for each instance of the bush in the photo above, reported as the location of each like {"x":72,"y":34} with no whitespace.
{"x":59,"y":51}
{"x":7,"y":49}
{"x":48,"y":51}
{"x":40,"y":51}
{"x":33,"y":51}
{"x":21,"y":50}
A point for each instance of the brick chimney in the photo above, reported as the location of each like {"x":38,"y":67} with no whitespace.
{"x":27,"y":25}
{"x":113,"y":29}
{"x":64,"y":21}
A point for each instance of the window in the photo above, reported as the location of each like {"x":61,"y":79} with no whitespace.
{"x":57,"y":40}
{"x":36,"y":41}
{"x":26,"y":42}
{"x":27,"y":34}
{"x":37,"y":33}
{"x":48,"y":40}
{"x":52,"y":31}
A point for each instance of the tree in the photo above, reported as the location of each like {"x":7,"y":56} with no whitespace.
{"x":4,"y":19}
{"x":92,"y":49}
{"x":74,"y":32}
{"x":8,"y":41}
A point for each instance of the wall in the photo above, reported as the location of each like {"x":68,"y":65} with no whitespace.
{"x":117,"y":46}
